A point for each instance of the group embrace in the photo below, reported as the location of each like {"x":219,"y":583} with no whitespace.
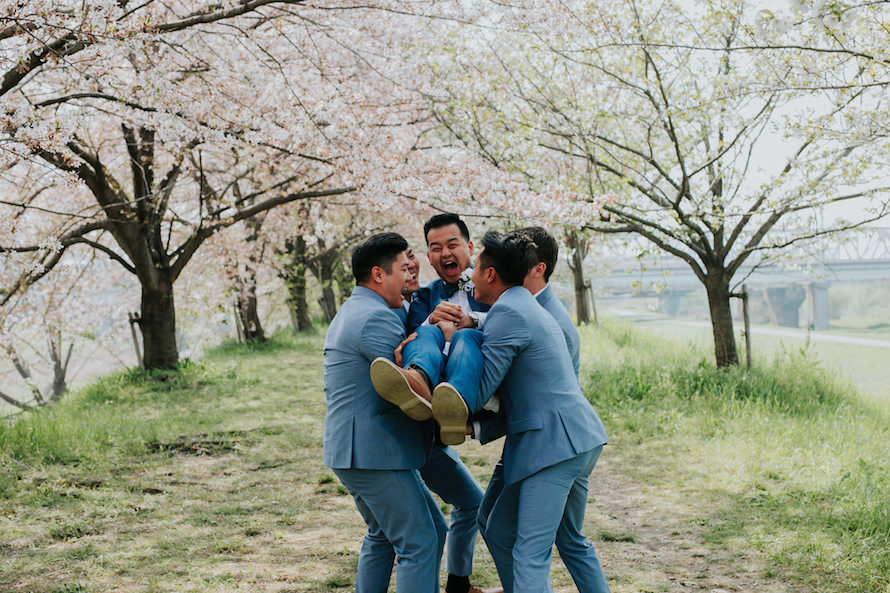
{"x":409,"y":371}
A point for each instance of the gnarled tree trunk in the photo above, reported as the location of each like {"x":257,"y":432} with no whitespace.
{"x":324,"y":268}
{"x":246,"y":286}
{"x":248,"y":311}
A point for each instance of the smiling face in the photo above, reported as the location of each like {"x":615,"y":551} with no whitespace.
{"x":413,"y":283}
{"x":448,"y":252}
{"x":393,"y":282}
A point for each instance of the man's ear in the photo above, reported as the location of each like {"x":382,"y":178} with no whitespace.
{"x":377,"y":274}
{"x":491,"y":274}
{"x":539,"y":269}
{"x":470,"y":245}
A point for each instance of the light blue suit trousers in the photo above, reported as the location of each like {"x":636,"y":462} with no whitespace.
{"x":523,"y":564}
{"x":396,"y":530}
{"x":462,"y":367}
{"x":443,"y":472}
{"x":538,"y":496}
{"x":376,"y":451}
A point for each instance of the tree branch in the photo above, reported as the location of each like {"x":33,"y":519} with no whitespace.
{"x":184,"y":252}
{"x":630,"y":227}
{"x":62,"y":47}
{"x":15,"y":402}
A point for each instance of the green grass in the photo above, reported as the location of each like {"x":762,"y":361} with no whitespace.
{"x":164,"y":481}
{"x":864,"y":368}
{"x":210,"y":478}
{"x":781,"y":458}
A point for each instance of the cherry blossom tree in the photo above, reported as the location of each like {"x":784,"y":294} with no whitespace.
{"x":673,"y":113}
{"x":121,"y":107}
{"x":140,"y":130}
{"x":315,"y":237}
{"x":60,"y":315}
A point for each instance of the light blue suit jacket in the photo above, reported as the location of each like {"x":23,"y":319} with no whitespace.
{"x":548,"y":299}
{"x":361,"y":429}
{"x":548,"y":419}
{"x":492,"y":426}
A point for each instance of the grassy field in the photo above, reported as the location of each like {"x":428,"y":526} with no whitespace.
{"x":210,"y":479}
{"x":863,"y":367}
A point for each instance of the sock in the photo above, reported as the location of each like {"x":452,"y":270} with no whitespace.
{"x":423,"y":374}
{"x":456,"y":584}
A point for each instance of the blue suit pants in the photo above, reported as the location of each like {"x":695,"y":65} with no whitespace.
{"x":521,"y":523}
{"x":450,"y":479}
{"x":462,"y":367}
{"x":444,"y":475}
{"x":425,"y":352}
{"x":403,"y":521}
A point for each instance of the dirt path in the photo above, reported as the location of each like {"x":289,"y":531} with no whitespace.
{"x":650,"y":540}
{"x":265,"y":522}
{"x":658,"y":542}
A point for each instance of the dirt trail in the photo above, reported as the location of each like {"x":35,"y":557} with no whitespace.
{"x":663,"y":547}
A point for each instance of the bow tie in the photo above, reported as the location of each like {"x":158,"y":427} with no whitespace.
{"x":449,"y":290}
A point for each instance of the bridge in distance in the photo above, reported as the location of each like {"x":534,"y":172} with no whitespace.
{"x":862,"y":258}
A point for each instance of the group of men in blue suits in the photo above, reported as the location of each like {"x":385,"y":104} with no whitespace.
{"x":497,"y":337}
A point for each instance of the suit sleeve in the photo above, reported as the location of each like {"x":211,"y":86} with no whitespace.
{"x":380,"y":335}
{"x":573,"y":341}
{"x":505,"y":335}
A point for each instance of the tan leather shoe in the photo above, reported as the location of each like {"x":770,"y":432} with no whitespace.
{"x":404,"y":388}
{"x":451,"y":412}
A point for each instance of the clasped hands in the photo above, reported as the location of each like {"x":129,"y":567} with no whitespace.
{"x":448,"y":317}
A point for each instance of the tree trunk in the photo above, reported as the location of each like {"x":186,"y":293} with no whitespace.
{"x":721,"y":320}
{"x":323,"y":269}
{"x":345,"y":281}
{"x":294,"y":275}
{"x":249,"y":313}
{"x":582,"y":303}
{"x":60,"y":362}
{"x":158,"y":325}
{"x":247,"y":286}
{"x":578,"y":250}
{"x":590,"y":291}
{"x":328,"y":299}
{"x":248,"y":308}
{"x":297,"y":303}
{"x":327,"y":269}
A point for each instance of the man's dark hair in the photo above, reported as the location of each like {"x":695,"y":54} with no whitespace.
{"x":377,"y":250}
{"x":512,"y":255}
{"x":545,"y":245}
{"x":440,"y":220}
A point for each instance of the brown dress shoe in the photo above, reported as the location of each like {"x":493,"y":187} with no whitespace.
{"x":451,"y":412}
{"x":404,"y":388}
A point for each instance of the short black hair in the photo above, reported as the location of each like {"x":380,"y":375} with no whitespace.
{"x":512,"y":255}
{"x":546,"y":247}
{"x":440,"y":220}
{"x":377,"y":250}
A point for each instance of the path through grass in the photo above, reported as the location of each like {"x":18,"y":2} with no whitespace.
{"x":211,"y":480}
